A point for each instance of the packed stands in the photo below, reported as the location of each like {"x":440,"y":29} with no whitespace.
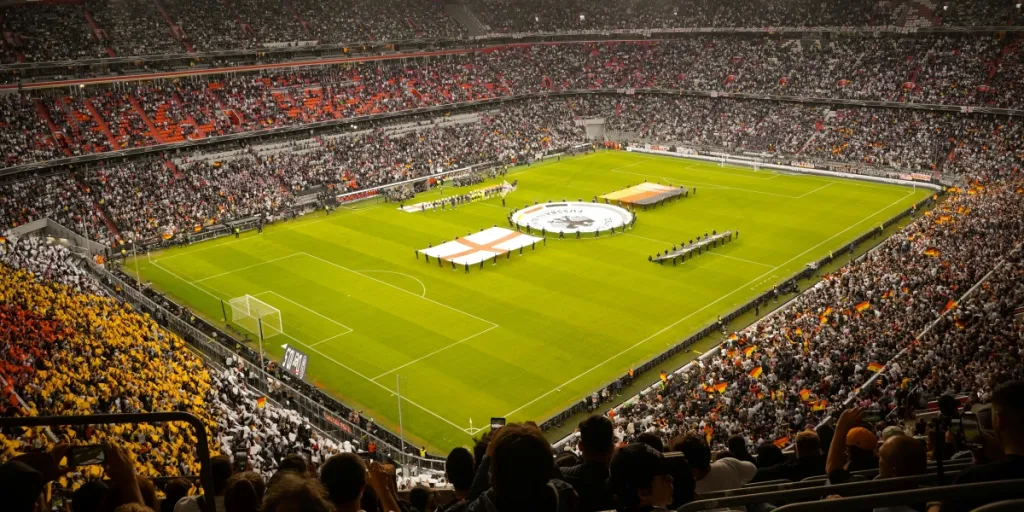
{"x":941,"y":70}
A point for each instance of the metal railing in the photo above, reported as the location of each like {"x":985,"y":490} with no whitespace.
{"x":984,"y":491}
{"x":813,"y":493}
{"x":202,"y":442}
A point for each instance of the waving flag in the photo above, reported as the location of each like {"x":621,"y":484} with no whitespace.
{"x":756,"y":372}
{"x":949,"y":306}
{"x":933,"y":252}
{"x":749,"y":350}
{"x":819,"y":405}
{"x":875,"y":366}
{"x":261,"y":402}
{"x":805,"y":394}
{"x":721,"y":387}
{"x":863,"y":306}
{"x":781,"y":442}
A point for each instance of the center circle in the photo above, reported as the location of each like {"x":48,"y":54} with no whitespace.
{"x":572,"y":217}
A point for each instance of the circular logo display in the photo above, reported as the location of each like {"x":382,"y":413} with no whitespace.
{"x":572,"y":217}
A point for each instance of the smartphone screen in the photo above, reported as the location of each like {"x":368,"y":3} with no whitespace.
{"x":91,"y":455}
{"x":497,"y":423}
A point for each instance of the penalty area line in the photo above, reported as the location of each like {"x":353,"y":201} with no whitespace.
{"x":442,"y":349}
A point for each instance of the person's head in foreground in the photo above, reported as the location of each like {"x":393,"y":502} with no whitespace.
{"x":522,"y":464}
{"x":640,"y":479}
{"x":808,"y":445}
{"x":1008,"y":417}
{"x":344,"y":476}
{"x":459,"y":468}
{"x":902,"y":456}
{"x":860,"y":444}
{"x":295,"y":493}
{"x":597,"y":438}
{"x":244,"y":493}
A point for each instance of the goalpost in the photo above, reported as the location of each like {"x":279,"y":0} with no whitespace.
{"x":255,"y":315}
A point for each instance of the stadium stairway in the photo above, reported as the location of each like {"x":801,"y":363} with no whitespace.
{"x":461,"y":14}
{"x":302,"y":22}
{"x":99,"y":33}
{"x":176,"y":30}
{"x":104,"y":127}
{"x":55,"y":133}
{"x":159,"y":135}
{"x":173,"y":168}
{"x":97,"y":207}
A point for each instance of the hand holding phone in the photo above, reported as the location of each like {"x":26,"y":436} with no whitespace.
{"x":87,"y":455}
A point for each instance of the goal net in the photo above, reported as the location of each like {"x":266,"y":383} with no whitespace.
{"x":249,"y":313}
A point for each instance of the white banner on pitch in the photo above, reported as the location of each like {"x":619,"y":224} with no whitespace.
{"x":481,"y":246}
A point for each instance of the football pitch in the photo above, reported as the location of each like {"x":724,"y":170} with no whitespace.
{"x":534,"y":333}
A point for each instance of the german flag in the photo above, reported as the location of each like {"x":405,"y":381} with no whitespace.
{"x":664,"y":377}
{"x":933,"y":252}
{"x":781,"y":442}
{"x":805,"y":394}
{"x":749,"y":350}
{"x":167,"y":235}
{"x":799,"y":331}
{"x":708,"y":389}
{"x":708,"y":433}
{"x":875,"y":366}
{"x":734,"y":337}
{"x":756,"y":372}
{"x":732,"y":353}
{"x":961,"y":324}
{"x":822,"y":319}
{"x":888,"y":294}
{"x":3,"y":240}
{"x":261,"y":402}
{"x":819,"y":405}
{"x":950,"y":304}
{"x":721,"y":387}
{"x":863,"y":306}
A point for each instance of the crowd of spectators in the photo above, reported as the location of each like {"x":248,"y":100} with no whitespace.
{"x":150,"y":197}
{"x":63,"y":32}
{"x":944,"y":70}
{"x":147,"y":198}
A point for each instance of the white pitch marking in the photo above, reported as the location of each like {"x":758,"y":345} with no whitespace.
{"x":222,"y":274}
{"x":815,"y":190}
{"x":423,"y":286}
{"x":329,"y":319}
{"x":442,"y":349}
{"x":457,"y":310}
{"x":706,"y":306}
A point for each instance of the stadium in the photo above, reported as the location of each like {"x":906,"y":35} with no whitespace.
{"x":511,"y":255}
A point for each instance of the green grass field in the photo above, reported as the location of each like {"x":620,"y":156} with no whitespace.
{"x":529,"y":336}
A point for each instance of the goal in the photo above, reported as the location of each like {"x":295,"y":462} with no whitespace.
{"x":249,"y":312}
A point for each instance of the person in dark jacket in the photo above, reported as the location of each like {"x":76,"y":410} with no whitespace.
{"x":809,"y":461}
{"x":589,"y":479}
{"x":522,"y":470}
{"x":640,"y":479}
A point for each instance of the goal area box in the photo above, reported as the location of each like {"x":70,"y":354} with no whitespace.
{"x":256,"y":316}
{"x":644,"y":194}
